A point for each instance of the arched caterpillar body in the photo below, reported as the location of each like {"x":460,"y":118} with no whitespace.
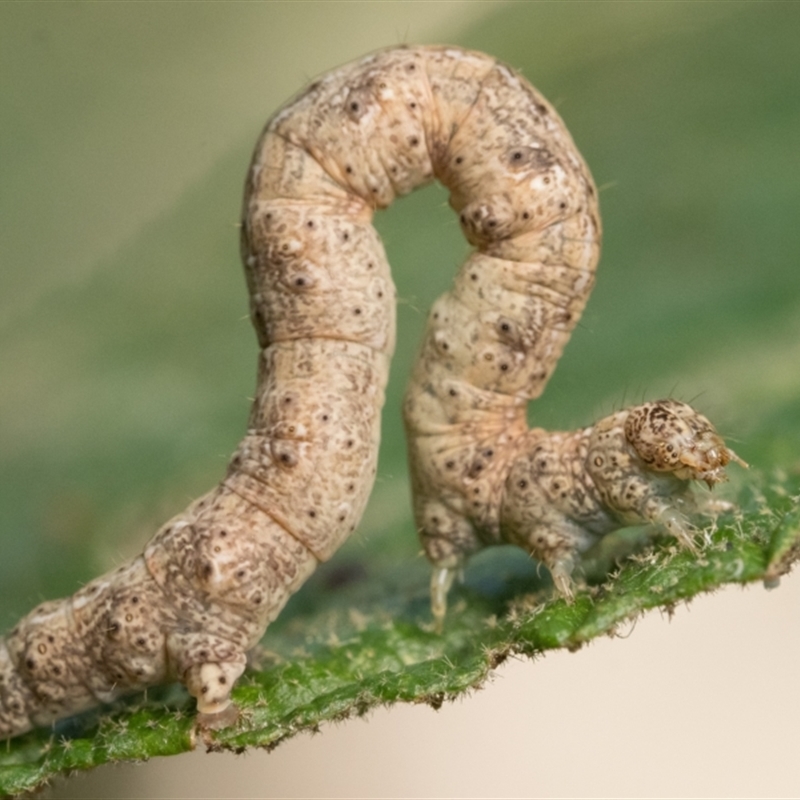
{"x":322,"y":303}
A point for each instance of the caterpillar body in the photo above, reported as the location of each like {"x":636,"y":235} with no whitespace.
{"x":322,"y":304}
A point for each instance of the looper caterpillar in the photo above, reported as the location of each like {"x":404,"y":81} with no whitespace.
{"x":322,"y":303}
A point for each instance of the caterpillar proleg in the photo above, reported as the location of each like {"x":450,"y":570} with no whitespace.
{"x":322,"y":303}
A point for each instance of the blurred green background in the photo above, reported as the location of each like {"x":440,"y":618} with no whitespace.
{"x":126,"y":358}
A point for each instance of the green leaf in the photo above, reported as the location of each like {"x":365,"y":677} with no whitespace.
{"x":122,"y":388}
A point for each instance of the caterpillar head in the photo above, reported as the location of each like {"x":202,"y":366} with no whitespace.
{"x":670,"y":436}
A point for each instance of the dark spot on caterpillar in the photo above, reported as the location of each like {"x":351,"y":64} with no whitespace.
{"x":349,"y":443}
{"x":450,"y":464}
{"x":312,"y":513}
{"x":134,"y":599}
{"x":30,"y":663}
{"x":452,"y":392}
{"x":57,"y":670}
{"x":526,"y":215}
{"x":348,"y":169}
{"x":240,"y":573}
{"x":346,"y":236}
{"x":354,"y":106}
{"x":459,"y":159}
{"x":562,"y":205}
{"x":356,"y":311}
{"x":504,"y":367}
{"x":523,"y":484}
{"x":413,"y":141}
{"x":310,"y":223}
{"x":141,"y":641}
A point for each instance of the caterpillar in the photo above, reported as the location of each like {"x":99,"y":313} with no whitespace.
{"x":322,"y":303}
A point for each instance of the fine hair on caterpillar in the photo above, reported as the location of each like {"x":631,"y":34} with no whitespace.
{"x":322,"y":303}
